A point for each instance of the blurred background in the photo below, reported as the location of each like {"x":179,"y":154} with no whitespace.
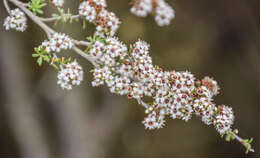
{"x":215,"y":38}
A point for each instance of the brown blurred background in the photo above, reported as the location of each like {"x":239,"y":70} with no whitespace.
{"x":219,"y":38}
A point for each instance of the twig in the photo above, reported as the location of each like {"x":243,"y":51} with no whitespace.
{"x":141,"y":102}
{"x":245,"y":144}
{"x":83,"y":43}
{"x":55,"y":18}
{"x":84,"y":55}
{"x":7,"y":6}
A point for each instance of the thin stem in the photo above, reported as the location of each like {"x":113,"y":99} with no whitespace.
{"x":84,"y":55}
{"x":141,"y":102}
{"x":245,"y":144}
{"x":7,"y":6}
{"x":55,"y":18}
{"x":83,"y":43}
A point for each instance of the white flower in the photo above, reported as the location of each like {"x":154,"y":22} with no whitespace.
{"x":121,"y":85}
{"x":57,"y":42}
{"x":155,"y":118}
{"x":200,"y":105}
{"x":142,"y":8}
{"x":113,"y":49}
{"x":100,"y":75}
{"x":136,"y":90}
{"x":58,"y":3}
{"x":180,"y":107}
{"x":16,"y":20}
{"x":163,"y":13}
{"x":88,"y":11}
{"x":211,"y":85}
{"x":107,"y":23}
{"x":208,"y":114}
{"x":102,"y":3}
{"x":224,"y":119}
{"x":70,"y":75}
{"x":126,"y":68}
{"x":97,"y":49}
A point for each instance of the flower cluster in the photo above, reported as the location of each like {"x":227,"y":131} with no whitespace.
{"x":175,"y":94}
{"x":58,"y":3}
{"x":95,"y":12}
{"x":163,"y":12}
{"x":57,"y":42}
{"x":155,"y":118}
{"x":142,"y":8}
{"x":224,"y":119}
{"x":86,"y":10}
{"x":16,"y":20}
{"x":70,"y":75}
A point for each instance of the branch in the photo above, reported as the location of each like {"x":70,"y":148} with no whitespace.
{"x":7,"y":6}
{"x":84,"y":55}
{"x":55,"y":18}
{"x":245,"y":143}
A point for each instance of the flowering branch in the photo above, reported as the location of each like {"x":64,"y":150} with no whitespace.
{"x":127,"y":71}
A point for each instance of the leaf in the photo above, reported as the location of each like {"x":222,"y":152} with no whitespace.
{"x":84,"y":25}
{"x":35,"y":55}
{"x":39,"y":61}
{"x":46,"y":58}
{"x":40,"y":11}
{"x":36,"y":6}
{"x":228,"y":137}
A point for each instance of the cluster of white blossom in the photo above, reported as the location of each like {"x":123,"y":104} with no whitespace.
{"x":70,"y":75}
{"x":58,"y":3}
{"x":16,"y":20}
{"x":221,"y":116}
{"x":95,"y":12}
{"x":211,"y":84}
{"x":107,"y":23}
{"x":224,"y":119}
{"x":176,"y":94}
{"x":57,"y":42}
{"x":142,"y":8}
{"x":163,"y":12}
{"x":155,"y":118}
{"x":88,"y":11}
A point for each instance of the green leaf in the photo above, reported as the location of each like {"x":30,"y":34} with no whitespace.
{"x":251,"y":140}
{"x":46,"y":58}
{"x":35,"y":55}
{"x":40,"y":11}
{"x":228,"y":137}
{"x":39,"y":61}
{"x":36,"y":6}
